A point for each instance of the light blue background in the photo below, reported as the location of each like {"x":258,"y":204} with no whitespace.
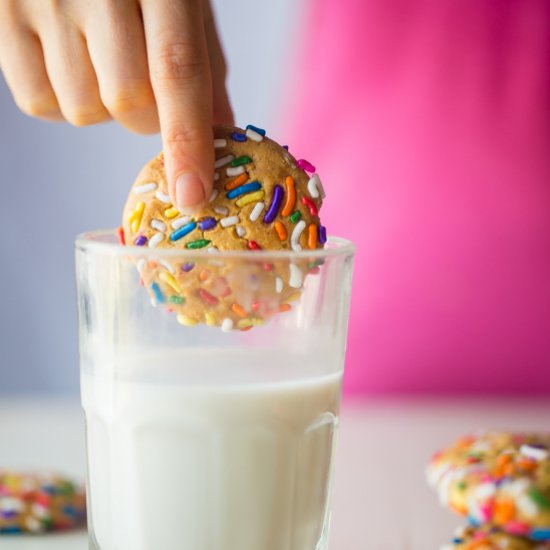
{"x":57,"y":181}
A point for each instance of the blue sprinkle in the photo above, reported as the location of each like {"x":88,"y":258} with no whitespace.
{"x":243,"y":189}
{"x":236,"y":136}
{"x":50,"y":489}
{"x":457,"y":540}
{"x":69,"y":511}
{"x":187,"y":267}
{"x":542,"y":533}
{"x":473,"y":522}
{"x":260,"y":131}
{"x":13,"y":529}
{"x":207,"y":223}
{"x":158,"y":293}
{"x":182,"y":231}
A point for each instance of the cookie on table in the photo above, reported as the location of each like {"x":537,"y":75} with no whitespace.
{"x":471,"y":538}
{"x":497,"y":479}
{"x":263,"y":199}
{"x":34,"y":503}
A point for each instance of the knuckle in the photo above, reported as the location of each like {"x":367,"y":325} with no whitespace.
{"x":176,"y":137}
{"x":178,"y":61}
{"x":37,"y":107}
{"x":81,"y":116}
{"x":128,"y":98}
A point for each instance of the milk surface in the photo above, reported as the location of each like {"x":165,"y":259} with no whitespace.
{"x":191,"y":452}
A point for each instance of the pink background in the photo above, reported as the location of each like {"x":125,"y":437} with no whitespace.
{"x":429,"y":122}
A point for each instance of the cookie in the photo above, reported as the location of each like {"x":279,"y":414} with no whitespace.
{"x":471,"y":538}
{"x":34,"y":503}
{"x":497,"y":479}
{"x":263,"y":199}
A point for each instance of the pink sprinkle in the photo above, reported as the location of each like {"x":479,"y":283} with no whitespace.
{"x":305,"y":165}
{"x":517,"y":528}
{"x":486,"y":511}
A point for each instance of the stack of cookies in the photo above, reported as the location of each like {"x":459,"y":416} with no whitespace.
{"x":500,"y":482}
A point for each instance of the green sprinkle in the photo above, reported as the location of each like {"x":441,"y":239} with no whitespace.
{"x":47,"y":522}
{"x":539,"y":498}
{"x":65,"y":488}
{"x":461,"y":485}
{"x":176,"y":299}
{"x":295,"y":216}
{"x":201,"y":243}
{"x":240,"y":161}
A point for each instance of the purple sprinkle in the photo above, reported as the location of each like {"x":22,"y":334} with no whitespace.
{"x":322,"y":234}
{"x":305,"y":165}
{"x":237,"y":136}
{"x":276,"y":201}
{"x":141,"y":240}
{"x":207,"y":223}
{"x":8,"y":514}
{"x":187,"y":267}
{"x":285,"y":147}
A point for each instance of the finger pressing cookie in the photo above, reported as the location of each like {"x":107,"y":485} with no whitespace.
{"x":263,"y":199}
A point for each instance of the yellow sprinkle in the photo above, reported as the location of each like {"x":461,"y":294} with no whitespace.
{"x":135,"y":217}
{"x":171,"y":213}
{"x":250,"y":322}
{"x":294,"y":297}
{"x":134,"y":226}
{"x":210,"y":319}
{"x":169,"y":279}
{"x":251,"y":197}
{"x":186,"y":321}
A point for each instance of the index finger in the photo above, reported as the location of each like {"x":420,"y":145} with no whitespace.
{"x":182,"y":83}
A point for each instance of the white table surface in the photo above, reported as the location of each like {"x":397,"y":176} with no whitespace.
{"x":380,"y":498}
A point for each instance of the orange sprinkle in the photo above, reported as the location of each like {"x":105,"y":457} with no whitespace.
{"x":504,"y":511}
{"x":290,"y":197}
{"x":281,"y":230}
{"x":285,"y":307}
{"x":245,"y":328}
{"x":236,"y":182}
{"x":312,"y":236}
{"x":153,"y":265}
{"x":203,"y":275}
{"x":239,"y":310}
{"x":478,"y":543}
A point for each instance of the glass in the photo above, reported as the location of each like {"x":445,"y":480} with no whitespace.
{"x":200,"y":438}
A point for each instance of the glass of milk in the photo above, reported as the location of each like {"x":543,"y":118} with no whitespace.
{"x":200,"y":438}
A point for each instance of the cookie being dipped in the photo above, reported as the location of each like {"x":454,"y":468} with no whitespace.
{"x":263,"y":200}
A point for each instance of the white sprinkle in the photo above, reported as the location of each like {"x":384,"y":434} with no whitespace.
{"x":235,"y":170}
{"x":221,"y":210}
{"x":11,"y":504}
{"x":212,"y":249}
{"x":251,"y":134}
{"x":296,"y":278}
{"x":228,"y":222}
{"x":163,"y":197}
{"x":145,"y":188}
{"x":527,"y":507}
{"x":33,"y":525}
{"x":278,"y":285}
{"x":313,"y":186}
{"x":227,"y":324}
{"x":241,"y":231}
{"x":220,"y":143}
{"x":295,"y":237}
{"x":40,"y":511}
{"x":256,"y":211}
{"x":155,"y":240}
{"x":159,"y":225}
{"x":168,"y":266}
{"x":141,"y":265}
{"x":213,"y":195}
{"x":216,"y":176}
{"x":180,"y":222}
{"x":536,"y":453}
{"x":223,"y":161}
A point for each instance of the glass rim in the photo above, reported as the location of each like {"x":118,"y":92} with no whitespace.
{"x":91,"y":240}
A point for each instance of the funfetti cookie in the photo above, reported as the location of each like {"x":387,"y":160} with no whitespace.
{"x":471,"y":538}
{"x":34,"y":503}
{"x":497,"y":479}
{"x":263,"y":200}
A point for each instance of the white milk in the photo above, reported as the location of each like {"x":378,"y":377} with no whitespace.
{"x":188,"y":454}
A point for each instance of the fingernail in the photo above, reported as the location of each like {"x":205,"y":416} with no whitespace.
{"x":189,"y":193}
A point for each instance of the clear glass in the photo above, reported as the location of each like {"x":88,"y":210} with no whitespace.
{"x":200,"y":438}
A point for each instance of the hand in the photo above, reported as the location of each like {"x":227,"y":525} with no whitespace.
{"x":148,"y":64}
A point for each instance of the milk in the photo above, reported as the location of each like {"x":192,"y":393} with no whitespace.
{"x":191,"y":452}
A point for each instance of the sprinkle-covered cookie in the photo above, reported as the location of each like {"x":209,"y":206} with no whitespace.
{"x":34,"y":503}
{"x":497,"y":479}
{"x":263,"y":199}
{"x":471,"y":538}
